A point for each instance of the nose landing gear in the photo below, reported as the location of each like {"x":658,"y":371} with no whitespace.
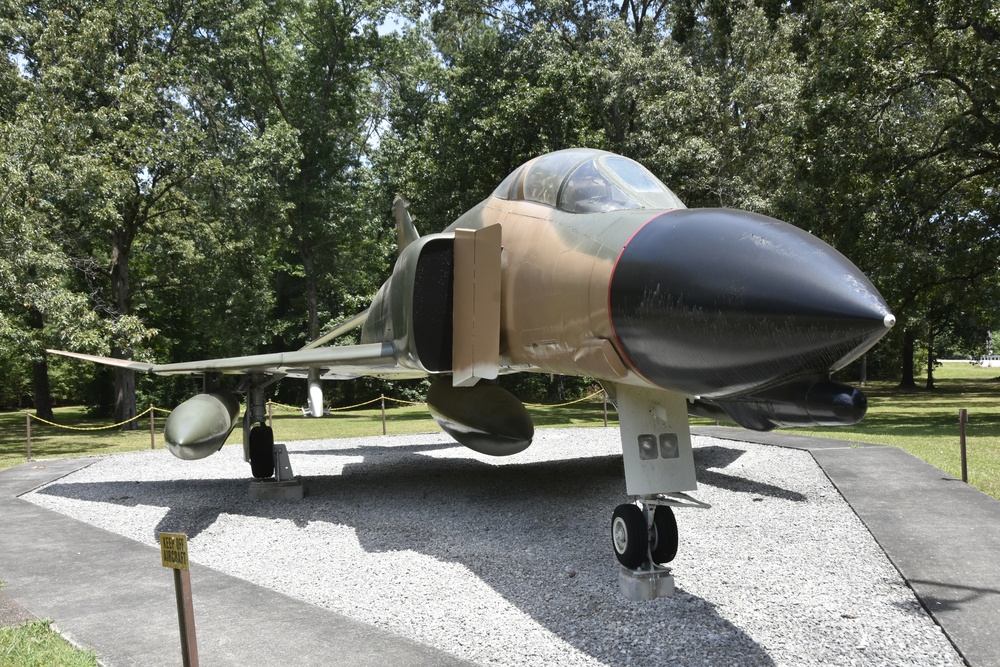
{"x":646,"y":535}
{"x":645,"y":538}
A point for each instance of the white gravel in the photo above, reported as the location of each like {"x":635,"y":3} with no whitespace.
{"x":509,"y":561}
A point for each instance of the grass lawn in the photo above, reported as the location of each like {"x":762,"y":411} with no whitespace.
{"x":925,"y":423}
{"x":36,"y":645}
{"x":922,"y":422}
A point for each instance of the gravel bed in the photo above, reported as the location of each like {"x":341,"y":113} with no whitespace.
{"x":509,"y":561}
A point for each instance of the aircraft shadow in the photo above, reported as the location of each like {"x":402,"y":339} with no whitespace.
{"x":940,"y":597}
{"x":548,"y":519}
{"x":708,"y":459}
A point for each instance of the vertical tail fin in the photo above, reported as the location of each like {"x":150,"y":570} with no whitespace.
{"x":406,"y":232}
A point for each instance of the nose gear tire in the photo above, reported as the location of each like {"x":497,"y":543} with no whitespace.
{"x":664,"y":547}
{"x":629,"y":536}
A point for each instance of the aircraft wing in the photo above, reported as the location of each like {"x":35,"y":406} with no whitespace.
{"x":337,"y":362}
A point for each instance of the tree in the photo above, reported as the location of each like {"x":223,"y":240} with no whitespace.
{"x":121,"y":78}
{"x":36,"y":290}
{"x":307,"y":74}
{"x":899,"y":139}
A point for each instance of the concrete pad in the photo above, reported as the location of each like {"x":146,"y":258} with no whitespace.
{"x":112,"y":595}
{"x":645,"y":585}
{"x":941,"y":534}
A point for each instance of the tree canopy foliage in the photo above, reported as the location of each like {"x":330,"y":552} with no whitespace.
{"x":192,"y":178}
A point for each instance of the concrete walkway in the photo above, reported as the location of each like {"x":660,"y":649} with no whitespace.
{"x":112,"y":595}
{"x":941,"y":534}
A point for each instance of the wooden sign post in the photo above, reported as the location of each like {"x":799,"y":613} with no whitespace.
{"x":173,"y":552}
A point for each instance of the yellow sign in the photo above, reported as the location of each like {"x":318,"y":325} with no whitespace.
{"x":174,"y":550}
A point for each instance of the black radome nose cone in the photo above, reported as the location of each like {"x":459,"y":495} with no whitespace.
{"x":717,"y":302}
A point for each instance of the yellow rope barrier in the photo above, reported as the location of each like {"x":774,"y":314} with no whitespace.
{"x":271,"y":404}
{"x":287,"y":407}
{"x":282,"y":405}
{"x":405,"y":402}
{"x":89,"y":428}
{"x":351,"y":407}
{"x":346,"y":407}
{"x":561,"y":405}
{"x":399,"y":400}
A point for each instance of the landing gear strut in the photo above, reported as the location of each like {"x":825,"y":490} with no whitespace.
{"x":269,"y":464}
{"x":258,"y":438}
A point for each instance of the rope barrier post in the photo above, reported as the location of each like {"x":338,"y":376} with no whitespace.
{"x":270,"y":413}
{"x":152,"y":428}
{"x":383,"y":415}
{"x":605,"y":408}
{"x":963,"y":419}
{"x":27,"y":430}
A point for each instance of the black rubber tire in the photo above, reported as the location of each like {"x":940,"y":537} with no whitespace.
{"x":665,"y":537}
{"x":629,"y":536}
{"x":262,"y":452}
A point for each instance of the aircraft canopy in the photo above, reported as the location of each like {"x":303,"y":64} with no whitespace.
{"x":584,"y":180}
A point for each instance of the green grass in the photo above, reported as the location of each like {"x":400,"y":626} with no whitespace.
{"x":53,"y":442}
{"x":925,"y":423}
{"x":37,"y":645}
{"x":922,"y":422}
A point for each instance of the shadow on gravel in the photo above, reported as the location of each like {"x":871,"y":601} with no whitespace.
{"x":716,"y":456}
{"x":536,"y":533}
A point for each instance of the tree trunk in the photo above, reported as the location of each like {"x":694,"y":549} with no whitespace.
{"x":312,"y":289}
{"x":908,"y":381}
{"x":930,"y":360}
{"x":121,"y":248}
{"x":40,"y":372}
{"x":557,"y":388}
{"x":43,"y":395}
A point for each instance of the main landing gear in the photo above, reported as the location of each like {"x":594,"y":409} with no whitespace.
{"x":269,"y":464}
{"x":261,"y":448}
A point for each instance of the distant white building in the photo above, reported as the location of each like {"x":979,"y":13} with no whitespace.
{"x":990,"y":360}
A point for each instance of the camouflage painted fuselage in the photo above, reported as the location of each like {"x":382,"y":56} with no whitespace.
{"x":708,"y":302}
{"x":604,"y":273}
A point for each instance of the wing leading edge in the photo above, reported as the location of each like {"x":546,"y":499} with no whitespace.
{"x":342,"y":361}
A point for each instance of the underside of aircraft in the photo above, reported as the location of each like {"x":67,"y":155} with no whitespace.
{"x":583,"y":263}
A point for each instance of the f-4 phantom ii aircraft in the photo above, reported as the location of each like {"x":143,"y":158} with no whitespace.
{"x":583,"y":263}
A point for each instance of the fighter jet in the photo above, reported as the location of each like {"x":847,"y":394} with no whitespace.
{"x":583,"y":263}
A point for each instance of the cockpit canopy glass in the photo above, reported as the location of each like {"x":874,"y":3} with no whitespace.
{"x":583,"y":180}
